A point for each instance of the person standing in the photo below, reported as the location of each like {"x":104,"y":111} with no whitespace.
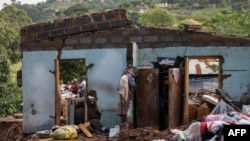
{"x":74,"y":87}
{"x":82,"y":87}
{"x":126,"y":89}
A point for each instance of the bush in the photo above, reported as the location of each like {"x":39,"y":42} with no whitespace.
{"x":10,"y":99}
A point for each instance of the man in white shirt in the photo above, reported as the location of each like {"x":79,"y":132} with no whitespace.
{"x":82,"y":87}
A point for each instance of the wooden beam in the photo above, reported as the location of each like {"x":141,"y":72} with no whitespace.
{"x":57,"y":94}
{"x":186,"y":93}
{"x":84,"y":129}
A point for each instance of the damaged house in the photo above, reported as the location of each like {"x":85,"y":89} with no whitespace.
{"x":174,"y":67}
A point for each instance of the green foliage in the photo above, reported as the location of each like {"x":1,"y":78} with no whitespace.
{"x":76,"y":10}
{"x":14,"y":16}
{"x":10,"y":94}
{"x":202,"y":15}
{"x":11,"y":20}
{"x":230,"y":23}
{"x":158,"y":17}
{"x":213,"y":67}
{"x":4,"y":69}
{"x":134,"y":16}
{"x":10,"y":99}
{"x":71,"y":69}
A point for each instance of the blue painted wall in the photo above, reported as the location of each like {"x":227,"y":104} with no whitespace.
{"x":236,"y":63}
{"x":39,"y":83}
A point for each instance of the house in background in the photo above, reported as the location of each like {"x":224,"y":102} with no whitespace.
{"x":110,"y":41}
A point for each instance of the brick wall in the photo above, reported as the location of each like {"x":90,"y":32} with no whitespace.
{"x":112,"y":29}
{"x":64,"y":27}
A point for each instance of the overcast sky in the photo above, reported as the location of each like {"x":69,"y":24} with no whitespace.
{"x":22,"y":2}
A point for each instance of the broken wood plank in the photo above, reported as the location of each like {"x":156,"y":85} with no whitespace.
{"x":84,"y":129}
{"x":185,"y":117}
{"x":227,"y":99}
{"x":210,"y":99}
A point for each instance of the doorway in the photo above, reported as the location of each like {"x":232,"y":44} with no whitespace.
{"x":68,"y":77}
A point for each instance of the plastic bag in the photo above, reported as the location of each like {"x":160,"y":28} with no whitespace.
{"x":64,"y":132}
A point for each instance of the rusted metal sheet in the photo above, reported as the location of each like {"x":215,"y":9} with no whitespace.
{"x":175,"y":98}
{"x":147,"y":110}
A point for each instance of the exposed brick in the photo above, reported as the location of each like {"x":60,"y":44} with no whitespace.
{"x":84,"y":46}
{"x":143,"y":31}
{"x":49,"y":26}
{"x":110,"y":16}
{"x":128,"y":31}
{"x":85,"y":40}
{"x":71,"y":41}
{"x":106,"y":46}
{"x":196,"y":44}
{"x":73,"y":30}
{"x":167,"y":38}
{"x":116,"y":39}
{"x":82,"y":20}
{"x":97,"y":17}
{"x":28,"y":38}
{"x":63,"y":24}
{"x":214,"y":44}
{"x":135,"y":39}
{"x":56,"y":33}
{"x":67,"y":47}
{"x":23,"y":32}
{"x":43,"y":35}
{"x":100,"y":40}
{"x":34,"y":29}
{"x":103,"y":25}
{"x":118,"y":23}
{"x":151,"y":38}
{"x":88,"y":27}
{"x":123,"y":15}
{"x":183,"y":38}
{"x":144,"y":45}
{"x":175,"y":44}
{"x":234,"y":44}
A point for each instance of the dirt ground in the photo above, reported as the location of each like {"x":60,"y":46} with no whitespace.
{"x":11,"y":130}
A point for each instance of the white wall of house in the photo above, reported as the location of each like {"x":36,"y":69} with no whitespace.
{"x":39,"y":84}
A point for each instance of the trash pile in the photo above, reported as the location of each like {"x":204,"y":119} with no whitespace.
{"x":88,"y":130}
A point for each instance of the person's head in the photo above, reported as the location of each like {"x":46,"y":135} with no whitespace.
{"x":68,"y":82}
{"x":75,"y":81}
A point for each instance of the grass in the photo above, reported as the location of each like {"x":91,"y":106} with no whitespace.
{"x":13,"y":71}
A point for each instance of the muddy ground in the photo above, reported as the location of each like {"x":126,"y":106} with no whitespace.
{"x":11,"y":130}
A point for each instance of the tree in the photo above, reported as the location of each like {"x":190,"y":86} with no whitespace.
{"x":71,"y":69}
{"x":11,"y":20}
{"x":4,"y":69}
{"x":228,"y":22}
{"x":76,"y":10}
{"x":10,"y":94}
{"x":134,"y":16}
{"x":157,"y":17}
